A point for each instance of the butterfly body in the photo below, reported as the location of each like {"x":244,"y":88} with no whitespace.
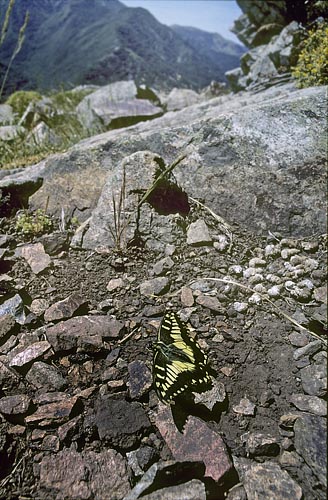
{"x":179,"y":363}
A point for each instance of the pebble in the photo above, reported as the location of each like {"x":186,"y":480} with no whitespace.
{"x":255,"y":299}
{"x":298,"y":339}
{"x":308,"y":350}
{"x":236,"y":270}
{"x":221,"y":244}
{"x":15,"y":405}
{"x":198,"y":233}
{"x":249,"y":271}
{"x":256,"y":262}
{"x":259,"y":288}
{"x":170,"y":250}
{"x":240,"y":307}
{"x":275,"y":291}
{"x":14,"y":307}
{"x":187,"y":298}
{"x":115,"y":284}
{"x":310,"y":246}
{"x":320,"y":294}
{"x":156,"y":286}
{"x":257,"y":444}
{"x":269,"y":481}
{"x":272,"y":250}
{"x":245,"y":407}
{"x":162,"y":266}
{"x":286,"y":253}
{"x":36,"y":257}
{"x":272,"y":278}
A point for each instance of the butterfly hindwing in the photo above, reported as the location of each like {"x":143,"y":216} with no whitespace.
{"x":179,"y":363}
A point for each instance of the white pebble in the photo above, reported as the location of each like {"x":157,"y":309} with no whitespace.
{"x":256,"y":262}
{"x":271,"y":250}
{"x":250,"y":271}
{"x":306,"y":284}
{"x":274,"y":291}
{"x":272,"y":278}
{"x":237,"y":270}
{"x":255,"y":299}
{"x":240,"y":306}
{"x":286,"y":253}
{"x":259,"y":288}
{"x":257,"y":278}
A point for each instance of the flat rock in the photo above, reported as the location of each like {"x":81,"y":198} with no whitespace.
{"x":307,"y":350}
{"x":31,"y":353}
{"x":115,"y":284}
{"x":311,"y":404}
{"x":187,"y":297}
{"x":140,"y":379}
{"x":181,"y":98}
{"x":314,"y":379}
{"x":245,"y":407}
{"x":268,"y":481}
{"x":156,"y":286}
{"x":13,"y":307}
{"x":210,"y":398}
{"x":55,"y":413}
{"x":198,"y":234}
{"x":209,"y":302}
{"x":197,"y":442}
{"x":8,"y":378}
{"x":162,"y":266}
{"x":7,"y":323}
{"x":36,"y":257}
{"x":64,"y":308}
{"x":91,"y":475}
{"x":120,"y":423}
{"x":310,"y":442}
{"x":257,"y":444}
{"x":84,"y":333}
{"x":15,"y":405}
{"x":44,"y":376}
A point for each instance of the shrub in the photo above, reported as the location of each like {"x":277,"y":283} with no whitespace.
{"x":21,"y":99}
{"x":312,"y":65}
{"x":33,"y":224}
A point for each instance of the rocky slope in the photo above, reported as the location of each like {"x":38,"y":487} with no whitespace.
{"x":73,"y":42}
{"x":230,"y":237}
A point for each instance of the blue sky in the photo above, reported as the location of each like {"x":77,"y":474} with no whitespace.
{"x":216,"y":16}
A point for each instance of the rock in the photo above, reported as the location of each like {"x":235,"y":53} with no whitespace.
{"x":289,"y":459}
{"x":298,"y":339}
{"x":165,"y":474}
{"x":140,"y":379}
{"x":54,"y":413}
{"x":198,"y":234}
{"x":162,"y":266}
{"x":11,"y":132}
{"x":258,"y":444}
{"x":38,"y":306}
{"x":45,"y":377}
{"x":320,"y":294}
{"x":191,"y":490}
{"x":65,"y":308}
{"x":311,"y":404}
{"x":237,"y":493}
{"x":84,"y":333}
{"x":7,"y":323}
{"x":115,"y":284}
{"x":156,"y":286}
{"x":141,"y":459}
{"x":222,"y":243}
{"x":314,"y":379}
{"x":268,"y":480}
{"x":120,"y":423}
{"x":308,"y":350}
{"x":55,"y":242}
{"x":310,"y":442}
{"x":181,"y":98}
{"x":6,"y":114}
{"x":114,"y":105}
{"x":245,"y":407}
{"x":15,"y":405}
{"x":213,"y":396}
{"x":67,"y":430}
{"x":92,"y":475}
{"x":8,"y":378}
{"x":42,"y":135}
{"x":240,"y":307}
{"x":13,"y":307}
{"x":197,"y":442}
{"x":211,"y":303}
{"x":36,"y":257}
{"x":30,"y":353}
{"x":187,"y":298}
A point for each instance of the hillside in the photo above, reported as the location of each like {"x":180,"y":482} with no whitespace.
{"x":73,"y":42}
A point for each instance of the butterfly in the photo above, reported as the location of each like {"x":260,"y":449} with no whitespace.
{"x":179,"y":363}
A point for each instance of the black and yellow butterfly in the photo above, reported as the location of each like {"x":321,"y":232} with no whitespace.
{"x":179,"y":363}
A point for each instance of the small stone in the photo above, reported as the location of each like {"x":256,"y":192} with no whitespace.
{"x":256,"y":262}
{"x":310,"y":246}
{"x":272,"y":250}
{"x":67,"y":430}
{"x":209,"y":302}
{"x":310,"y":443}
{"x":7,"y":323}
{"x":198,"y":234}
{"x":275,"y":291}
{"x":298,"y":339}
{"x":64,"y":308}
{"x":31,"y":353}
{"x":54,"y":413}
{"x":13,"y":307}
{"x":156,"y":286}
{"x":240,"y":307}
{"x":255,"y":299}
{"x":254,"y":280}
{"x":115,"y":284}
{"x":8,"y":378}
{"x":236,"y":270}
{"x":310,"y":404}
{"x":38,"y":306}
{"x":36,"y":257}
{"x":140,"y":379}
{"x":163,"y":266}
{"x":258,"y":444}
{"x":210,"y":398}
{"x":141,"y":459}
{"x":221,"y":244}
{"x":288,"y":420}
{"x":320,"y":294}
{"x":290,"y":459}
{"x":15,"y":405}
{"x":250,"y":271}
{"x":245,"y":407}
{"x":286,"y":253}
{"x":50,"y":443}
{"x":269,"y":481}
{"x":226,"y":370}
{"x":187,"y":298}
{"x":314,"y":379}
{"x":170,"y":250}
{"x":303,"y":362}
{"x":308,"y":350}
{"x":272,"y":278}
{"x":45,"y":376}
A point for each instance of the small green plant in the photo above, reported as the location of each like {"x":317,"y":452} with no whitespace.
{"x":31,"y":224}
{"x":312,"y":65}
{"x":21,"y":99}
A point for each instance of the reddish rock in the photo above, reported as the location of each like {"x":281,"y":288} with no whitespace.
{"x":36,"y":257}
{"x":64,"y":308}
{"x":197,"y":442}
{"x":32,"y":352}
{"x":53,"y":413}
{"x":15,"y":405}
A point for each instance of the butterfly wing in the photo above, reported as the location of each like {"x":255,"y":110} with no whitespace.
{"x":179,"y":363}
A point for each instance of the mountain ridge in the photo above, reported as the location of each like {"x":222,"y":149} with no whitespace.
{"x":72,"y":42}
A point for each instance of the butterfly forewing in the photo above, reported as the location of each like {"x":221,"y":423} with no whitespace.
{"x":179,"y":363}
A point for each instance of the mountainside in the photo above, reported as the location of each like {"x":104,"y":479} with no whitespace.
{"x":71,"y":42}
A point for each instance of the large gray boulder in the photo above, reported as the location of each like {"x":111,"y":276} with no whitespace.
{"x":255,"y":159}
{"x":116,"y":105}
